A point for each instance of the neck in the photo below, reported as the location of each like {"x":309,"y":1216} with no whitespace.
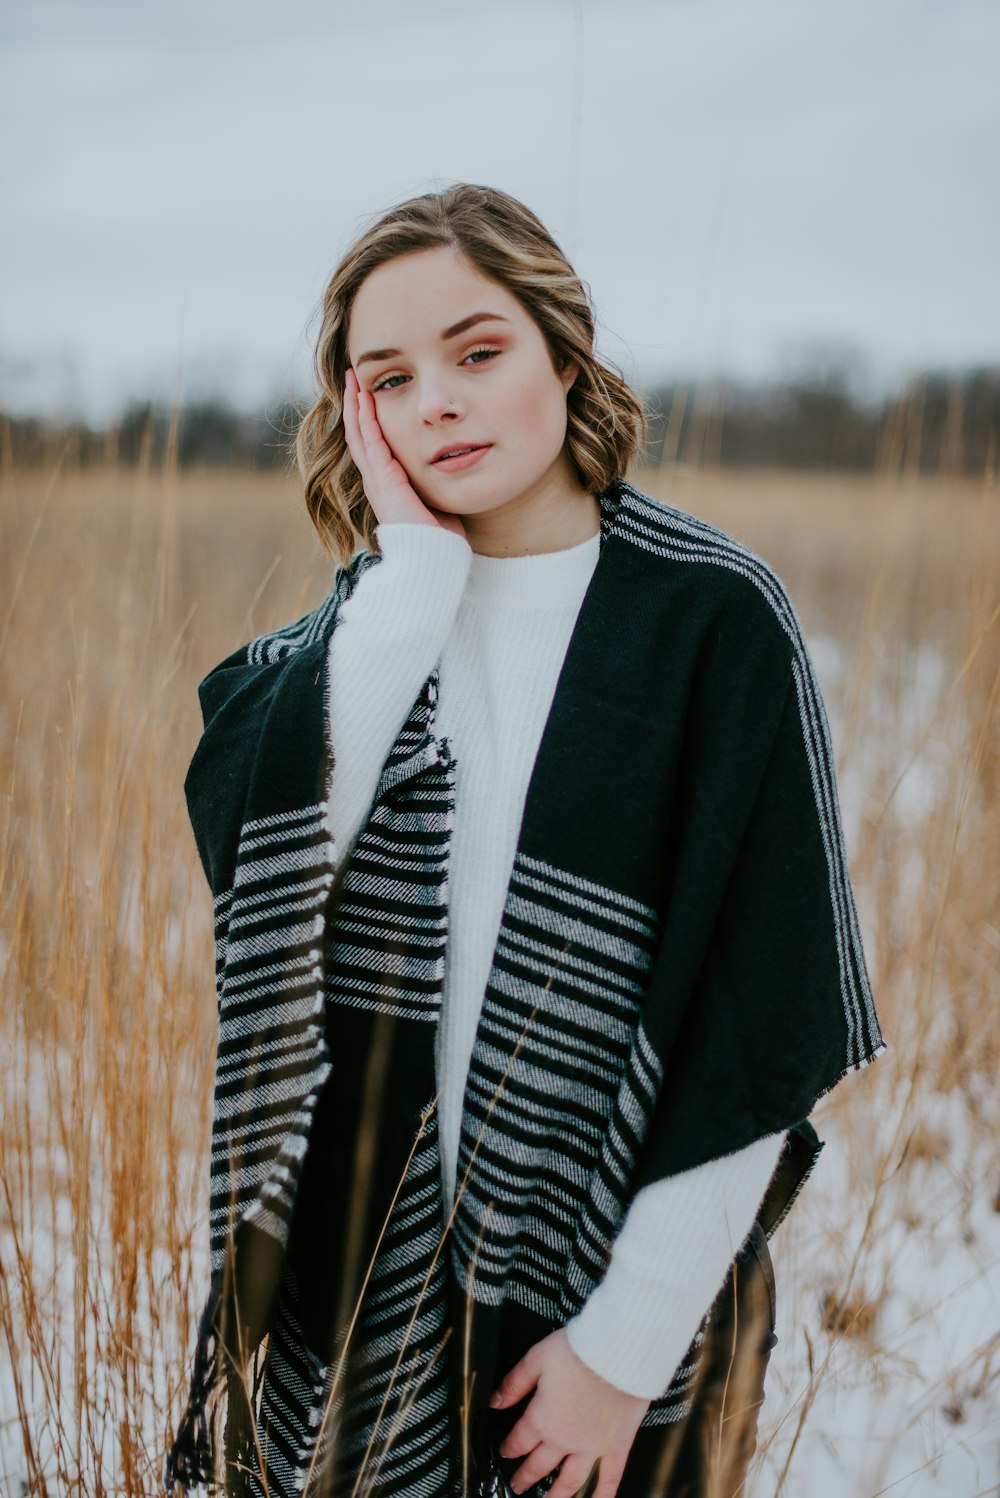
{"x":553,"y":515}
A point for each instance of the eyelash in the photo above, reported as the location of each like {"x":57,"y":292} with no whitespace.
{"x":383,"y":384}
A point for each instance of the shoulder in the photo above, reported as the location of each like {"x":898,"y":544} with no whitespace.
{"x":315,"y":626}
{"x":721,"y":579}
{"x":251,"y":668}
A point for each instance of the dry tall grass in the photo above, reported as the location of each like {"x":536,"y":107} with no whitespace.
{"x":119,"y":590}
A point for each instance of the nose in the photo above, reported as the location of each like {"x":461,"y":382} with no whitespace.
{"x":436,"y":405}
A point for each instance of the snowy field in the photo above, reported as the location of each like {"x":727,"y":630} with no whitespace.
{"x":902,"y":1396}
{"x":886,"y":1377}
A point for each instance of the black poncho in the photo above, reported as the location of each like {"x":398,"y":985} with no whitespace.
{"x":678,"y":971}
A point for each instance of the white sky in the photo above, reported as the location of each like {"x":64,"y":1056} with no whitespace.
{"x":738,"y":181}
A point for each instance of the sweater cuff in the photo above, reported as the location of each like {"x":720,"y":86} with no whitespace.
{"x":668,"y":1264}
{"x":424,"y":570}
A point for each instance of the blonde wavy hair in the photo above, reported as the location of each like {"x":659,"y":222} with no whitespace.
{"x":606,"y":419}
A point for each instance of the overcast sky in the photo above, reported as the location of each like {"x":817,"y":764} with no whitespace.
{"x":741,"y":183}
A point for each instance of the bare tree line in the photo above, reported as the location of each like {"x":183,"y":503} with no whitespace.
{"x":935,"y":424}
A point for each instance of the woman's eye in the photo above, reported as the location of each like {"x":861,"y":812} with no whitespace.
{"x":484,"y":350}
{"x":481,"y":356}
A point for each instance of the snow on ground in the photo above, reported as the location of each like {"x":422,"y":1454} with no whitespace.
{"x":888,"y":1280}
{"x":57,"y":1250}
{"x":909,"y":1404}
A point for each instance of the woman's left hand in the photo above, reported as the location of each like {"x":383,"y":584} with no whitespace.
{"x":576,"y":1417}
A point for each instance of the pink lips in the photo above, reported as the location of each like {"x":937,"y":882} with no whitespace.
{"x":464,"y":460}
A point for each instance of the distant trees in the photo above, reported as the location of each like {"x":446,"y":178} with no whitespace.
{"x":936,"y":424}
{"x":203,"y":433}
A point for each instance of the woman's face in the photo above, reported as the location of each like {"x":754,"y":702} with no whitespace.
{"x":459,"y":363}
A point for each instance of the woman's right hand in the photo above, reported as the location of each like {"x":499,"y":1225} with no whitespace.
{"x":387,"y":486}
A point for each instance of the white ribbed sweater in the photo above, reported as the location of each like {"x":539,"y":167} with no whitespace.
{"x":498,"y":627}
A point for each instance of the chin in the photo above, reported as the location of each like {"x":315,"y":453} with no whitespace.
{"x":434,"y":503}
{"x":459,"y":504}
{"x":478,"y":507}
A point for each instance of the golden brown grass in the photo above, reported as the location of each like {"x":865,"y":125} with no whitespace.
{"x":118,"y":590}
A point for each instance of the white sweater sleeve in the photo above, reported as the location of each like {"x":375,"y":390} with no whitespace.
{"x":388,"y":639}
{"x":667,"y":1265}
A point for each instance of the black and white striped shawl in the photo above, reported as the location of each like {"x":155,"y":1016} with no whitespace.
{"x":678,"y":971}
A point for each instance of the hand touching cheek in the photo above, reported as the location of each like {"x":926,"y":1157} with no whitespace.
{"x":387,"y":484}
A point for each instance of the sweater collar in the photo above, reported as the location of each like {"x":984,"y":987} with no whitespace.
{"x":547,"y":580}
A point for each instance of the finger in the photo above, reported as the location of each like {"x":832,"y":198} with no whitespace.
{"x":520,"y":1439}
{"x":573,"y":1475}
{"x":376,"y":447}
{"x":352,"y":432}
{"x":516,"y":1382}
{"x":610,"y":1476}
{"x":538,"y":1465}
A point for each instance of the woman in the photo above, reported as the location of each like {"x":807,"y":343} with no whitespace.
{"x":536,"y":943}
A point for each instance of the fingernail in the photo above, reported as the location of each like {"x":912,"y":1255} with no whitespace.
{"x":496,"y":1398}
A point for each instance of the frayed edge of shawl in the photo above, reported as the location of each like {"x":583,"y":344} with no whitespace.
{"x":191,"y":1460}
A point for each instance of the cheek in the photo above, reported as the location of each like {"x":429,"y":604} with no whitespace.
{"x":393,"y":429}
{"x":538,"y":408}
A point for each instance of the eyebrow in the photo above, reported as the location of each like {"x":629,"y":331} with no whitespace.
{"x":452,"y":332}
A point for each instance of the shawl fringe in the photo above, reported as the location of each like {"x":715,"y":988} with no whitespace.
{"x":219,"y":1373}
{"x":191,"y":1460}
